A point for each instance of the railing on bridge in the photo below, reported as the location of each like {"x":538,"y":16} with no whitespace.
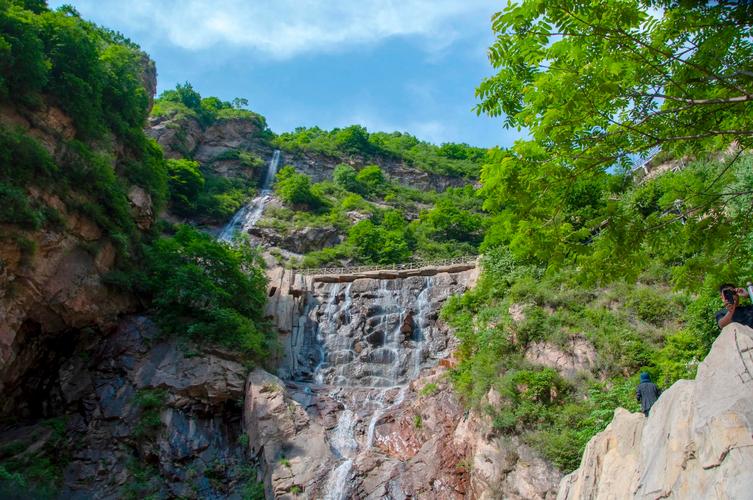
{"x":405,"y":266}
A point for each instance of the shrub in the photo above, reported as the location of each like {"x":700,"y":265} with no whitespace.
{"x":429,"y":389}
{"x":345,"y":176}
{"x":186,"y":183}
{"x":295,"y":189}
{"x":651,"y":305}
{"x":208,"y":291}
{"x":372,"y":179}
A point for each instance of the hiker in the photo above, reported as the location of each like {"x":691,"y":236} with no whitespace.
{"x":733,"y":312}
{"x":647,"y":393}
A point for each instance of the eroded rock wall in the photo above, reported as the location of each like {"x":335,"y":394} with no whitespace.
{"x":696,"y":443}
{"x":363,"y":407}
{"x":137,"y":415}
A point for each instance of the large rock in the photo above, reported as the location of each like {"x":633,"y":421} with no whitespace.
{"x":96,"y":384}
{"x":578,"y":355}
{"x":299,"y":241}
{"x":291,"y":445}
{"x":697,"y":442}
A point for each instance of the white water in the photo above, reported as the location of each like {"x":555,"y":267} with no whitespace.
{"x":249,"y":214}
{"x":343,"y":439}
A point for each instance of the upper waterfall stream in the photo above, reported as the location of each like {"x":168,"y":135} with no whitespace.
{"x":250,"y":213}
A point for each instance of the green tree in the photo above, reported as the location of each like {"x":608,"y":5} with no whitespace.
{"x":383,"y":244}
{"x":372,"y":179}
{"x":295,"y":189}
{"x":208,"y":291}
{"x":353,"y":139}
{"x":595,"y":84}
{"x":447,"y":221}
{"x":345,"y":177}
{"x":186,"y":182}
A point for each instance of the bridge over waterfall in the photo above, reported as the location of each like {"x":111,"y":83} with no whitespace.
{"x":390,"y":271}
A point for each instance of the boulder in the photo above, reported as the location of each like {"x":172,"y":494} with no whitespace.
{"x":577,"y":355}
{"x":696,"y":443}
{"x":291,"y":446}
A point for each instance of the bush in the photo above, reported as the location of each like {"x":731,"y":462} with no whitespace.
{"x":186,"y":183}
{"x":651,"y":305}
{"x":377,"y":244}
{"x":372,"y":179}
{"x":208,"y":291}
{"x":295,"y":189}
{"x":345,"y":177}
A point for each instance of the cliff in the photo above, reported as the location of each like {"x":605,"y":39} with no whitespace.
{"x":696,"y":443}
{"x":52,"y":274}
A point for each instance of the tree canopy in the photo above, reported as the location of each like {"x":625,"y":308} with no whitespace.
{"x":597,"y":84}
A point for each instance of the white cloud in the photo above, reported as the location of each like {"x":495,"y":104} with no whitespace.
{"x":285,"y":28}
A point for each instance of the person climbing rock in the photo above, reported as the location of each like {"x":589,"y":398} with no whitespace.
{"x":733,"y":312}
{"x":647,"y":393}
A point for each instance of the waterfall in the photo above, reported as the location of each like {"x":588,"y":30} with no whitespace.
{"x":393,"y":317}
{"x":249,"y":214}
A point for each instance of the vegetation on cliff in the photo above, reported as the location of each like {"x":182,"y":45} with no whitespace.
{"x":579,"y":247}
{"x":382,"y":221}
{"x":75,"y":99}
{"x":451,"y":159}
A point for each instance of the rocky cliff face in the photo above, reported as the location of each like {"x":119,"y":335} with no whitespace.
{"x":320,"y":167}
{"x":212,"y":146}
{"x":363,"y":407}
{"x":135,"y":415}
{"x":696,"y":443}
{"x":53,"y":283}
{"x":184,"y":137}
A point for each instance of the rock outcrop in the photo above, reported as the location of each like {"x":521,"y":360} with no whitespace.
{"x":51,"y":278}
{"x":216,"y":147}
{"x":139,"y":415}
{"x":286,"y":435}
{"x":299,"y":241}
{"x":320,"y":167}
{"x":696,"y":443}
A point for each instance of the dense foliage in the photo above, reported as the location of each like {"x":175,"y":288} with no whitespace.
{"x":580,"y":249}
{"x":459,"y":160}
{"x":383,"y":222}
{"x":92,"y":74}
{"x":209,"y":291}
{"x":54,"y":58}
{"x":295,"y":189}
{"x":518,"y":309}
{"x":596,"y":84}
{"x":184,"y":101}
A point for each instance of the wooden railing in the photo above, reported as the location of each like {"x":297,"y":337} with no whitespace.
{"x":404,"y":266}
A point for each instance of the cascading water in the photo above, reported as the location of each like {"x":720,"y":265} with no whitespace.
{"x":368,"y":363}
{"x":249,"y":214}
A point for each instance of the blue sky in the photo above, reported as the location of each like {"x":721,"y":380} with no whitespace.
{"x":407,"y":65}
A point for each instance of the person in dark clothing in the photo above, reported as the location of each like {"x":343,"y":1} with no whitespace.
{"x":733,"y":312}
{"x":647,"y":393}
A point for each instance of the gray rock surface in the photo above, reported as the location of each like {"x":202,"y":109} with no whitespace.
{"x":299,"y":241}
{"x":696,"y":443}
{"x":184,"y":443}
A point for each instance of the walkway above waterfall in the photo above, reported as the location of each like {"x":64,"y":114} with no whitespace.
{"x":391,"y":271}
